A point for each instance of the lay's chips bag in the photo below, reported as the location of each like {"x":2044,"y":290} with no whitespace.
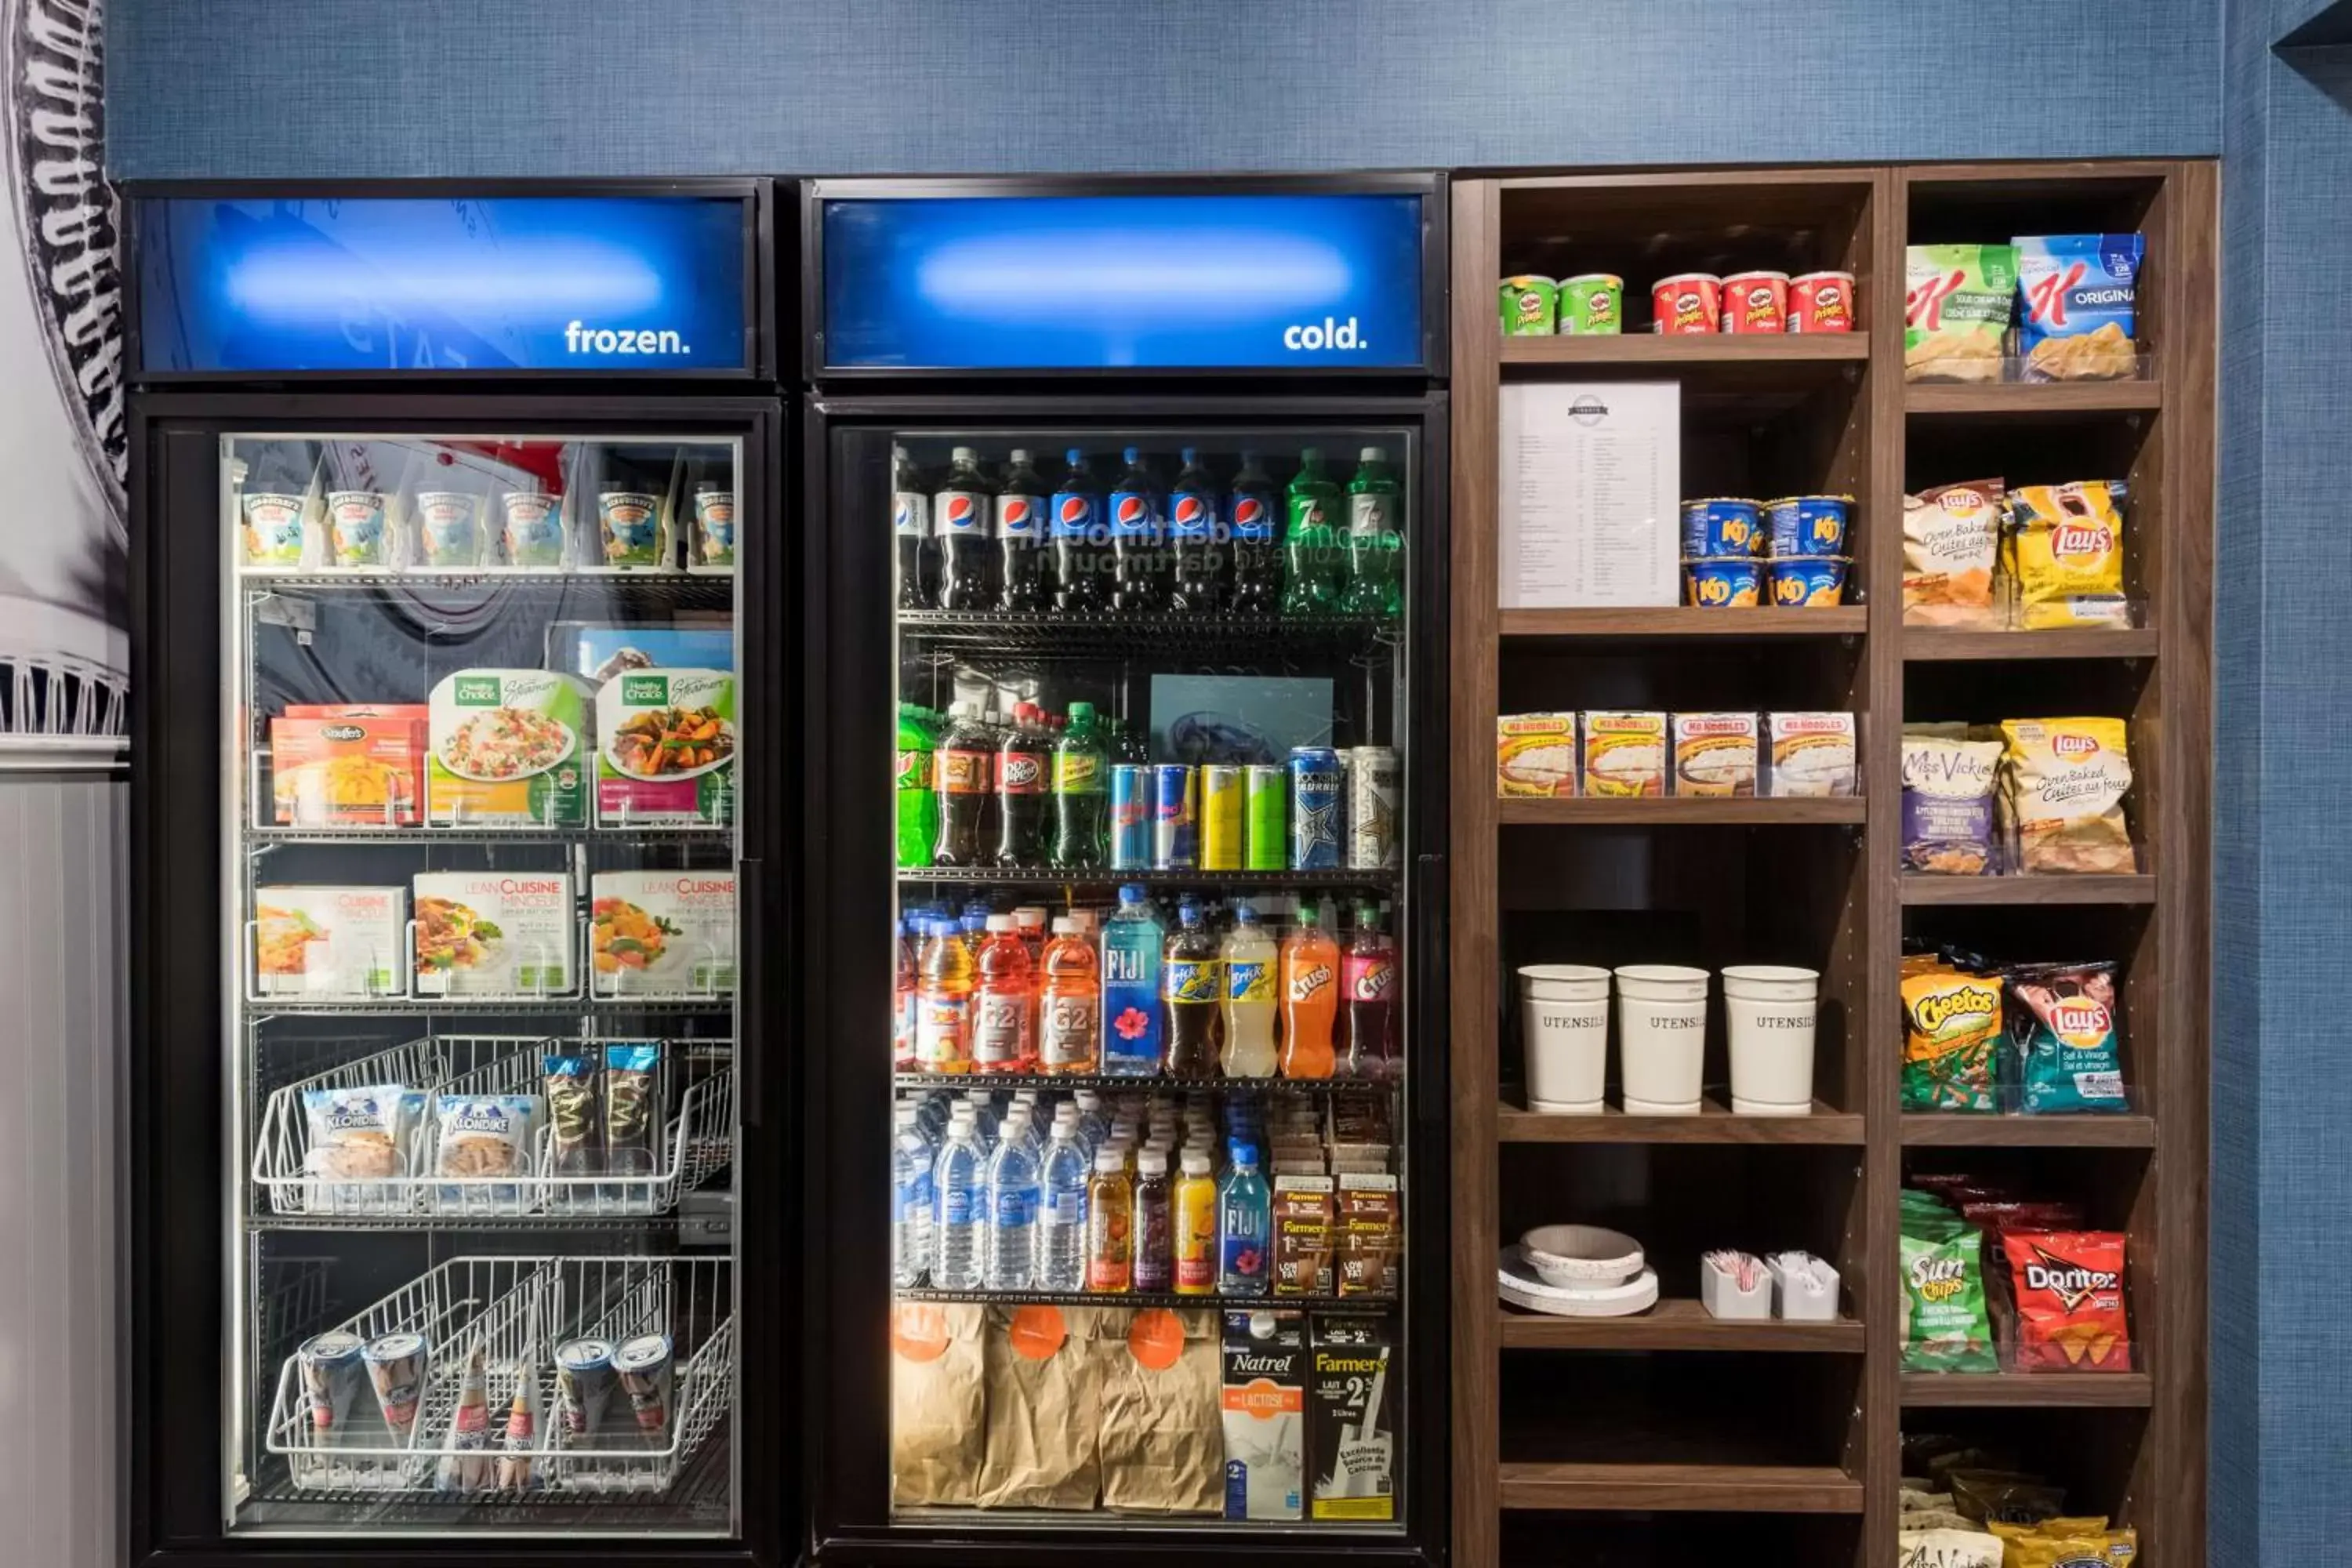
{"x":2075,"y":294}
{"x":2067,"y":554}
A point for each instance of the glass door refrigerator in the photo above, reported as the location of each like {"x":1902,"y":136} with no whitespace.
{"x":1125,"y":1181}
{"x":461,"y":696}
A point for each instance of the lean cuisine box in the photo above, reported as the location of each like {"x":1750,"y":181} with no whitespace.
{"x":666,"y":748}
{"x":509,"y":750}
{"x":348,"y":764}
{"x":330,"y":940}
{"x":662,"y":934}
{"x":494,"y":933}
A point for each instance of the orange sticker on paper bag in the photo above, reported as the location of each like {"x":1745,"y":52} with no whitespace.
{"x":919,"y":1331}
{"x":1156,"y":1338}
{"x":1037,"y":1332}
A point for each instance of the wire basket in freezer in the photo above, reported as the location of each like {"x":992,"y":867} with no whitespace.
{"x":488,"y":1334}
{"x":408,"y":1163}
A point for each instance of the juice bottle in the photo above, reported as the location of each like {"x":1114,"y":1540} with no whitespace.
{"x":1147,"y":1238}
{"x":1194,"y":1227}
{"x":902,"y":1001}
{"x":1193,"y":983}
{"x":1069,"y":1011}
{"x":1111,"y":1205}
{"x":1001,"y":1038}
{"x":1310,"y":999}
{"x":1251,"y":988}
{"x":944,"y":1000}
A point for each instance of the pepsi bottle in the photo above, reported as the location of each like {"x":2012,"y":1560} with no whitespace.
{"x":910,"y":520}
{"x":1075,"y":540}
{"x":961,"y":512}
{"x":1255,"y":543}
{"x":1020,"y":537}
{"x":1136,"y":531}
{"x":1195,"y":551}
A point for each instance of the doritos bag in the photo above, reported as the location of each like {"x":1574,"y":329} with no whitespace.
{"x":2068,"y":1289}
{"x":2074,"y":294}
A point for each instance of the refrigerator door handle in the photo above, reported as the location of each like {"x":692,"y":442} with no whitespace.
{"x":751,"y":1011}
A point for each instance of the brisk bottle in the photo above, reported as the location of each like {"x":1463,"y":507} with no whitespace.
{"x":1137,"y":533}
{"x":1251,"y":529}
{"x":1193,"y":982}
{"x":1077,"y":539}
{"x":1195,"y":550}
{"x":1252,"y":987}
{"x":1020,"y":537}
{"x":961,"y":511}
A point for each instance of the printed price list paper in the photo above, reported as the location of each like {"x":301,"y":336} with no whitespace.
{"x":1589,"y":494}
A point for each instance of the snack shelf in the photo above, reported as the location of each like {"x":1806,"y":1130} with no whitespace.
{"x":1682,"y":621}
{"x":1700,"y":1488}
{"x":514,"y":1312}
{"x":1148,"y":1299}
{"x":1922,"y":644}
{"x":1676,"y":1323}
{"x":1929,"y":1130}
{"x":1715,"y":1123}
{"x":1688,"y":350}
{"x":1045,"y":877}
{"x":1851,"y":810}
{"x":1154,"y":637}
{"x":692,"y":1146}
{"x":1127,"y":1083}
{"x":2139,"y":888}
{"x":2044,"y":1389}
{"x":2012,"y":399}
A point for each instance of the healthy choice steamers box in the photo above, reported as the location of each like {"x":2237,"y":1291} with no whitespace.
{"x":666,"y":748}
{"x":510,"y":749}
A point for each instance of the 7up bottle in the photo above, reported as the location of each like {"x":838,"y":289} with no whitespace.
{"x":1311,"y":541}
{"x":1375,"y":538}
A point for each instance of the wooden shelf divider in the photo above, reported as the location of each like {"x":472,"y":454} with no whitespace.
{"x":2013,"y":398}
{"x":2139,"y":889}
{"x":1678,"y":353}
{"x":1684,"y":621}
{"x":2035,"y":1390}
{"x":1710,"y":1489}
{"x":1676,"y":1323}
{"x":1925,"y":643}
{"x":1929,"y":1130}
{"x":1715,"y":1123}
{"x":1667,"y":810}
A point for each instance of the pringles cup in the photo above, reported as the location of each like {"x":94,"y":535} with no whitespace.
{"x":1755,"y":302}
{"x":1820,"y":302}
{"x":1687,"y":303}
{"x":1593,"y":303}
{"x":1528,"y":304}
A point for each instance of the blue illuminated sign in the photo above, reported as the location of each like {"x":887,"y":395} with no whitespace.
{"x":1247,"y":281}
{"x":425,"y":284}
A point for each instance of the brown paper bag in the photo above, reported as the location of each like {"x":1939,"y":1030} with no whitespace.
{"x":938,"y":1402}
{"x":1162,"y":1432}
{"x":1042,"y":1393}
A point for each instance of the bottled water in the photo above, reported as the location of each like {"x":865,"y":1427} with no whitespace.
{"x":959,"y":1196}
{"x":1062,"y":1220}
{"x":1244,"y":1220}
{"x":912,"y":1156}
{"x":1011,"y":1205}
{"x":1091,"y":1119}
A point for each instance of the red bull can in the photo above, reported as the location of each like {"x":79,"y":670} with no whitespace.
{"x":1318,"y":804}
{"x":1221,"y":817}
{"x":1175,"y":817}
{"x":1130,"y":817}
{"x":1267,"y":830}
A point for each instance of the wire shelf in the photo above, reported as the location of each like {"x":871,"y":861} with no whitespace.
{"x":1111,"y":634}
{"x":1382,"y":879}
{"x":515,"y":1310}
{"x":1124,"y":1083}
{"x":1149,"y":1299}
{"x":696,"y":1144}
{"x":554,"y":837}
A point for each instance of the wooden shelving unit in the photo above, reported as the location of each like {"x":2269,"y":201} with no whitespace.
{"x":1543,"y":1419}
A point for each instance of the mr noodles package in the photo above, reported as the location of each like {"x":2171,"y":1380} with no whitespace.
{"x":2064,"y":1039}
{"x":2075,"y":294}
{"x":2065,"y":550}
{"x":2067,"y":1288}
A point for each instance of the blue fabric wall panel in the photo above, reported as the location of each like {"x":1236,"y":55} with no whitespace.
{"x":340,"y":89}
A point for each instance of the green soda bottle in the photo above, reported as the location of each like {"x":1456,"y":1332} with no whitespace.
{"x":1375,"y":538}
{"x":1310,"y":543}
{"x":918,"y":809}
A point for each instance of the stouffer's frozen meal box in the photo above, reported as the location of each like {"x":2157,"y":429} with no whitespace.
{"x":662,"y":934}
{"x":494,"y":933}
{"x":666,"y":748}
{"x":329,"y":942}
{"x":348,"y":764}
{"x":510,"y":749}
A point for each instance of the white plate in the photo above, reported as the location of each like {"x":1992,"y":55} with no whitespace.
{"x":571,"y":744}
{"x":1516,"y":1282}
{"x":1577,"y":1255}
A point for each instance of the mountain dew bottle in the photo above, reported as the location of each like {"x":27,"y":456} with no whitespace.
{"x":1375,"y":538}
{"x":918,"y":807}
{"x":1311,"y":543}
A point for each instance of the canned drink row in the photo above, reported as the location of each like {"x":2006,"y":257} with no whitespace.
{"x":1327,"y":809}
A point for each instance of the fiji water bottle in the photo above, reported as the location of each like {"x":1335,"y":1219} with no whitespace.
{"x":1134,"y":1032}
{"x":1244,"y":1220}
{"x":959,"y":1193}
{"x":1062,"y":1212}
{"x":1195,"y":553}
{"x":912,"y":1157}
{"x":1013,"y":1194}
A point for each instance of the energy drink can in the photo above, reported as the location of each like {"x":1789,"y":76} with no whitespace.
{"x":1221,"y":817}
{"x":395,"y":1366}
{"x":1130,"y":817}
{"x":1266,"y":830}
{"x":1316,"y":804}
{"x":647,"y":1372}
{"x":1373,"y":776}
{"x":1175,"y":817}
{"x":332,"y":1374}
{"x":585,"y":1380}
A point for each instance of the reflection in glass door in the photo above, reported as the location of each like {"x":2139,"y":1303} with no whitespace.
{"x":481,"y":870}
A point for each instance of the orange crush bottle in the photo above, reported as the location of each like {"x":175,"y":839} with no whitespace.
{"x":1310,"y":997}
{"x":1069,"y":1013}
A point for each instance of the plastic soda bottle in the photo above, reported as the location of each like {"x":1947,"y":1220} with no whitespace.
{"x":1193,"y":983}
{"x":1149,"y":1234}
{"x":1136,"y":532}
{"x":1375,"y":538}
{"x":1020,"y":537}
{"x":1062,"y":1212}
{"x":963,"y":776}
{"x":1134,"y":1028}
{"x":1252,"y":985}
{"x":1023,"y":756}
{"x":910,"y":520}
{"x":943,"y":1001}
{"x":1013,"y":1199}
{"x":1310,"y":540}
{"x":1368,"y":976}
{"x":1310,"y":999}
{"x":902,"y":999}
{"x":1195,"y":551}
{"x":1110,"y":1211}
{"x":918,"y":809}
{"x":1081,"y":785}
{"x":1194,"y":1227}
{"x":1250,"y":527}
{"x":1244,"y":1220}
{"x":1076,"y":539}
{"x":1006,"y":996}
{"x":1069,"y":1011}
{"x":959,"y":1196}
{"x":962,"y":510}
{"x":912,"y":1157}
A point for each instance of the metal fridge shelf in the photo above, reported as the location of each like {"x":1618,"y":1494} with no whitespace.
{"x":1124,"y":1083}
{"x":1382,"y":880}
{"x":1149,"y":1299}
{"x":1116,"y":634}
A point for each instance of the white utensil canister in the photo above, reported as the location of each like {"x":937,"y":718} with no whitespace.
{"x":1768,"y":1011}
{"x":1564,"y":1008}
{"x":1661,"y":1037}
